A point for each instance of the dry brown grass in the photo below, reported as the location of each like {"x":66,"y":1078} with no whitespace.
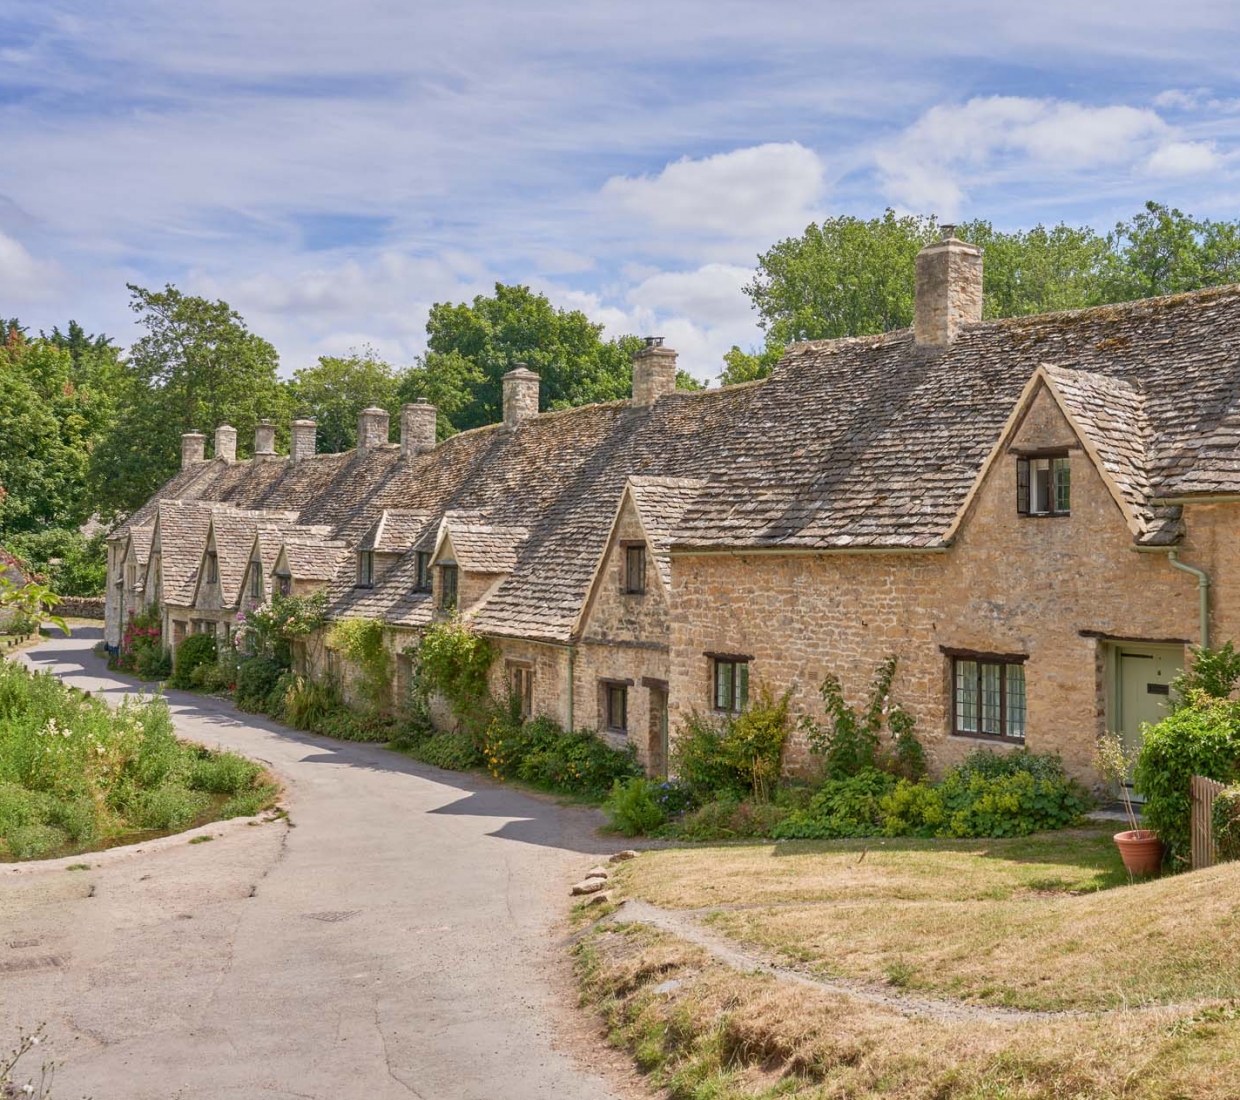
{"x":722,"y":1035}
{"x":1015,"y":923}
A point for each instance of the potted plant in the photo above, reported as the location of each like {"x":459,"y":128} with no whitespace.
{"x":1140,"y":849}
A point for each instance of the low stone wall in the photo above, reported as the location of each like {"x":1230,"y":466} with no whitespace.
{"x":80,"y":607}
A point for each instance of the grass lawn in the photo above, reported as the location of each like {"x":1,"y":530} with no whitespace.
{"x":1046,"y":923}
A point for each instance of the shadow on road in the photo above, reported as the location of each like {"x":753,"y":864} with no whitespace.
{"x":531,"y":818}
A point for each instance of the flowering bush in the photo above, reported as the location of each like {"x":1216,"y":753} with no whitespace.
{"x":142,"y":647}
{"x":74,"y":773}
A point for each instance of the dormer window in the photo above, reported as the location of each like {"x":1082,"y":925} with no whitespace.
{"x":634,"y":570}
{"x":423,"y":582}
{"x":256,"y":581}
{"x":213,"y":569}
{"x":1043,"y":485}
{"x":448,"y":581}
{"x":284,"y":584}
{"x":366,"y":569}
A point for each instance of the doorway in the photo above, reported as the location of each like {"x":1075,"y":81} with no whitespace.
{"x":1141,"y":692}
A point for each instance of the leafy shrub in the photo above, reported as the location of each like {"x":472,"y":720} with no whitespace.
{"x":735,"y":757}
{"x":699,"y":762}
{"x":222,"y":773}
{"x":141,"y":648}
{"x":541,"y":753}
{"x":346,"y":725}
{"x":195,"y":651}
{"x":151,"y":663}
{"x":449,"y":750}
{"x":276,"y":700}
{"x":854,"y":741}
{"x":255,"y":680}
{"x":633,"y":807}
{"x":989,"y":795}
{"x":452,"y":661}
{"x":730,"y":819}
{"x":361,"y":642}
{"x":307,"y":703}
{"x":270,"y":630}
{"x":1212,"y":671}
{"x":1227,"y":824}
{"x":845,"y":807}
{"x":219,"y":677}
{"x":1201,"y":738}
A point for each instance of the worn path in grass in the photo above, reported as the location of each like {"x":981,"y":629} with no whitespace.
{"x":396,"y":941}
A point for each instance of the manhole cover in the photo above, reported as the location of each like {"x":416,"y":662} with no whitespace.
{"x":333,"y":916}
{"x":34,"y":962}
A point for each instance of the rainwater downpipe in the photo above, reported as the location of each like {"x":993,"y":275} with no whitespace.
{"x":1203,"y":592}
{"x":572,"y":660}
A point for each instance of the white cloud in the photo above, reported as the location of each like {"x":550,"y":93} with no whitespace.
{"x":756,"y":192}
{"x":1180,"y":99}
{"x":711,"y":293}
{"x":22,"y":277}
{"x":1184,"y":158}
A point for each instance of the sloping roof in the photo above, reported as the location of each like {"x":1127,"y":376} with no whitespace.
{"x":139,"y":544}
{"x":234,"y":533}
{"x":660,"y":503}
{"x":314,"y":559}
{"x":863,"y":443}
{"x":875,"y":442}
{"x":182,"y":535}
{"x":484,"y":547}
{"x":396,"y":530}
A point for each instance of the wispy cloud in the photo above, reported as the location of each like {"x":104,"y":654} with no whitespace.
{"x":332,"y":169}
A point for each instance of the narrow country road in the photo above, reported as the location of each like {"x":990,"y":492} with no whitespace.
{"x":399,"y":939}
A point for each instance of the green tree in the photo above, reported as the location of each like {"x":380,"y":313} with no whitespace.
{"x":196,"y":367}
{"x":471,"y":346}
{"x":748,"y":366}
{"x":337,"y":388}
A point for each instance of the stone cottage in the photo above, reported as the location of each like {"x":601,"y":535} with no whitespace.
{"x":1036,"y":516}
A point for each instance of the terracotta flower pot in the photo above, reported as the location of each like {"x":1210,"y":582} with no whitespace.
{"x":1141,"y":851}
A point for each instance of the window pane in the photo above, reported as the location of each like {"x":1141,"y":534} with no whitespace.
{"x":966,"y":696}
{"x":990,"y":698}
{"x":1040,"y":472}
{"x":723,"y":685}
{"x":1016,"y":700}
{"x":742,"y":686}
{"x":1063,"y":485}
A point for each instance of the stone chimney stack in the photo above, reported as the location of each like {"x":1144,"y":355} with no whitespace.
{"x":654,"y":372}
{"x":949,"y":289}
{"x":226,"y":442}
{"x":520,"y":396}
{"x":417,"y":428}
{"x":193,"y":448}
{"x":372,"y":429}
{"x":302,"y":440}
{"x":264,"y":440}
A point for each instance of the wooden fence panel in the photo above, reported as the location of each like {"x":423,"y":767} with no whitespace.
{"x":1204,"y":792}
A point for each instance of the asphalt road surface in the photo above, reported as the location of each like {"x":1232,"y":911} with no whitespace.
{"x":399,"y":938}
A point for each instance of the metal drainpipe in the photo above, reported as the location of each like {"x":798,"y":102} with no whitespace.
{"x":1203,"y":592}
{"x":572,"y":660}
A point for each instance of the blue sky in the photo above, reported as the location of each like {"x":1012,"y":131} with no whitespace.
{"x":332,"y":169}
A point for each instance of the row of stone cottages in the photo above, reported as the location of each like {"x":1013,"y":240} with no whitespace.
{"x":1036,"y":516}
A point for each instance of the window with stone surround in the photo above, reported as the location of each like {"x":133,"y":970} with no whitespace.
{"x":521,"y":684}
{"x":1044,"y":485}
{"x":284,"y":584}
{"x":731,"y":680}
{"x":988,"y":696}
{"x":256,"y":580}
{"x":423,"y":581}
{"x":616,"y":705}
{"x":365,"y":569}
{"x":449,"y":579}
{"x":634,"y":583}
{"x":213,"y":569}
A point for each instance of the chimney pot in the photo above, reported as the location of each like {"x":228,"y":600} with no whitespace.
{"x":302,"y":440}
{"x":193,"y":448}
{"x":949,"y":290}
{"x":417,"y":428}
{"x":372,"y":429}
{"x":520,"y":396}
{"x":264,"y":440}
{"x":654,"y":372}
{"x":226,"y":443}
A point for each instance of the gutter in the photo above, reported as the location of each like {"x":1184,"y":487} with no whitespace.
{"x":1203,"y":585}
